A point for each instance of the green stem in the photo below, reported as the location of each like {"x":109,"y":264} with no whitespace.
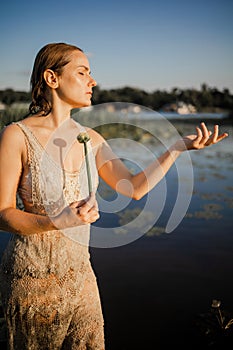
{"x":88,"y":168}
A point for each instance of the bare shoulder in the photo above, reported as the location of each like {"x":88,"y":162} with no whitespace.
{"x":96,"y":138}
{"x":12,"y":135}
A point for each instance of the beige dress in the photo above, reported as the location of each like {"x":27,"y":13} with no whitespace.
{"x":49,"y":291}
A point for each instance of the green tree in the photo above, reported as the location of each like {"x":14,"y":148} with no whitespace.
{"x":8,"y":97}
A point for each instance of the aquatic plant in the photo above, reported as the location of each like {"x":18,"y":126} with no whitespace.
{"x":215,"y":327}
{"x":219,"y":315}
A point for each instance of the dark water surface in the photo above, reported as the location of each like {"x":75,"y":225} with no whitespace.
{"x":153,"y":290}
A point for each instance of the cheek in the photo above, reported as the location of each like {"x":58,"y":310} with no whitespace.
{"x":71,"y":87}
{"x":71,"y":80}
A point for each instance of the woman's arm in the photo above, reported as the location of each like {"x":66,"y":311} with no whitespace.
{"x":12,"y":156}
{"x":113,"y":171}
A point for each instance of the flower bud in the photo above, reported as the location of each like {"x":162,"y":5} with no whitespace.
{"x":83,"y":137}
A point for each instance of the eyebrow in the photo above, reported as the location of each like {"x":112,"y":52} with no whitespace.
{"x":85,"y":67}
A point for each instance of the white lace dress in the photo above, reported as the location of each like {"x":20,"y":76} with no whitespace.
{"x":48,"y":288}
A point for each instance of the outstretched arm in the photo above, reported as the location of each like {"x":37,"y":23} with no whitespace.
{"x":113,"y":171}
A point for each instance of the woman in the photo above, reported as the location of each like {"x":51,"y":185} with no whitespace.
{"x":49,"y":291}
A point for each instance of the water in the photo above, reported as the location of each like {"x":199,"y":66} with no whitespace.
{"x":176,"y":116}
{"x":154,"y":289}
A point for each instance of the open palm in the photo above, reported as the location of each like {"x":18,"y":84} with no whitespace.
{"x":203,"y":138}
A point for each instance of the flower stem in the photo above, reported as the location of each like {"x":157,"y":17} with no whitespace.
{"x":88,"y":168}
{"x":83,"y":137}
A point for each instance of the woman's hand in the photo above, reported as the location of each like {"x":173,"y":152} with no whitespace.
{"x":78,"y":213}
{"x":202,"y":139}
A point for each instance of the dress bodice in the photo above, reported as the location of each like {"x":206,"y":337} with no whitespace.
{"x":45,"y":186}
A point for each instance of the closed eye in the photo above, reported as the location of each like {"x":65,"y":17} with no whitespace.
{"x":85,"y":68}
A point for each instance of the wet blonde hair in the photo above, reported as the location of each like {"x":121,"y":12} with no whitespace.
{"x":52,"y":56}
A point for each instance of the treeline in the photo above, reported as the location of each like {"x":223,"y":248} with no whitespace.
{"x":10,"y":96}
{"x":205,"y":98}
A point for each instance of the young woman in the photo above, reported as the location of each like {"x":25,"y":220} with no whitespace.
{"x":49,"y":291}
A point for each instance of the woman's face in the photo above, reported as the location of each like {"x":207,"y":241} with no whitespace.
{"x":75,"y":81}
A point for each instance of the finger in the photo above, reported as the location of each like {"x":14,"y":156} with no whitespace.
{"x":95,"y":203}
{"x":83,"y":210}
{"x":199,"y":134}
{"x":216,"y":138}
{"x":96,"y":206}
{"x":94,"y":216}
{"x":89,"y":204}
{"x":215,"y":134}
{"x":205,"y":133}
{"x":222,"y":136}
{"x":91,"y":216}
{"x":80,"y":203}
{"x":204,"y":130}
{"x":77,"y":204}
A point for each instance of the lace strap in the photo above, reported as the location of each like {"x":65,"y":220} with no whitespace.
{"x":33,"y":159}
{"x":32,"y":144}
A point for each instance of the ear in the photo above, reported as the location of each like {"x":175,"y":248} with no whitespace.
{"x":51,"y":78}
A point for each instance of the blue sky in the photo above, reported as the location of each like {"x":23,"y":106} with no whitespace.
{"x":150,"y":44}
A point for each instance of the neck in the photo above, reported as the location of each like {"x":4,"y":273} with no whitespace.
{"x":59,"y":114}
{"x":58,"y":118}
{"x":61,"y":110}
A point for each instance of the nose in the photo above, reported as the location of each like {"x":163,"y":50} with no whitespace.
{"x":92,"y":82}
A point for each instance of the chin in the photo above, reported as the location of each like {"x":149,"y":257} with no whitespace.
{"x":82,"y":105}
{"x":87,"y":104}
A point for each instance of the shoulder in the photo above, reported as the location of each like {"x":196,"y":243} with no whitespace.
{"x":12,"y":135}
{"x":96,"y":138}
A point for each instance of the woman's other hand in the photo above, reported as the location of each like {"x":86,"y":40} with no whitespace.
{"x":203,"y":138}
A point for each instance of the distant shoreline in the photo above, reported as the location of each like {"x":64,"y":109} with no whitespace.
{"x":222,"y":121}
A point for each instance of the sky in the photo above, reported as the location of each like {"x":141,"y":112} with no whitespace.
{"x":147,"y":44}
